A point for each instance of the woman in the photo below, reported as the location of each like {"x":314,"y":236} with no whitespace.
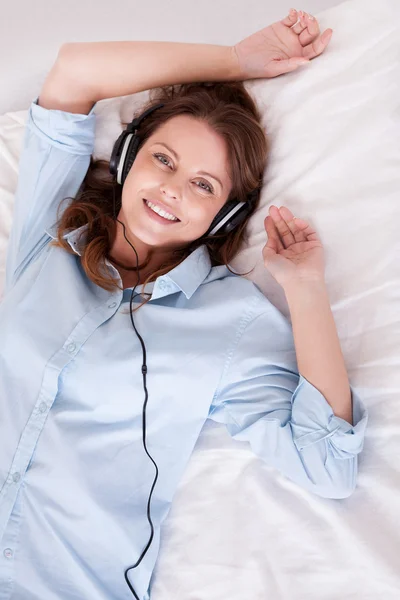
{"x":81,"y":452}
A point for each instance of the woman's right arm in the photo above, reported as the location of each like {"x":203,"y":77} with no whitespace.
{"x":86,"y":72}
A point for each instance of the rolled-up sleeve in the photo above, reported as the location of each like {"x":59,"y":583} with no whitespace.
{"x":262,"y":399}
{"x":54,"y":159}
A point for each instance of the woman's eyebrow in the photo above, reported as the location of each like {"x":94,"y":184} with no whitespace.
{"x":178,"y":157}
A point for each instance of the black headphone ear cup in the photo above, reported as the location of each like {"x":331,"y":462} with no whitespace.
{"x":116,"y":154}
{"x":221,"y":214}
{"x":130,"y":156}
{"x":237,"y":218}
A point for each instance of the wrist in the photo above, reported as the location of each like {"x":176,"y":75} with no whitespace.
{"x":311,"y":286}
{"x":236,"y":70}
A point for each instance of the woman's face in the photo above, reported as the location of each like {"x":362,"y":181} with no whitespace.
{"x":188,"y":177}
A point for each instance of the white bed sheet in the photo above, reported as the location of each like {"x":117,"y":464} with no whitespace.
{"x":237,"y":528}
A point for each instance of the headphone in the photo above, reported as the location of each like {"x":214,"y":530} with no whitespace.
{"x":232,"y":214}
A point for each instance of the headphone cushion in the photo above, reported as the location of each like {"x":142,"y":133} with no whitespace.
{"x":237,"y":218}
{"x":116,"y":153}
{"x":130,"y":156}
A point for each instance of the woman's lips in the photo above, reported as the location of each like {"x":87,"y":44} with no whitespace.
{"x":157,"y":217}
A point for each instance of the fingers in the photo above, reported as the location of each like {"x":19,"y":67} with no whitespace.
{"x":295,"y":225}
{"x":310,"y":36}
{"x":284,"y":229}
{"x":282,"y":226}
{"x":273,"y":234}
{"x":282,"y":232}
{"x":300,"y":228}
{"x":307,"y":28}
{"x":290,"y":19}
{"x":318,"y":46}
{"x":304,"y":21}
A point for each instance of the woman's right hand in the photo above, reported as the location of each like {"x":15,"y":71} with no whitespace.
{"x":281,"y":47}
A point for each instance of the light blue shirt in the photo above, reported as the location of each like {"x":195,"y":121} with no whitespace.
{"x":74,"y":476}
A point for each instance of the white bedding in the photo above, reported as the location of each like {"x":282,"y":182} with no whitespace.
{"x":237,"y":528}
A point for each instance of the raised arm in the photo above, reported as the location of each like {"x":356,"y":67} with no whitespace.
{"x":86,"y":72}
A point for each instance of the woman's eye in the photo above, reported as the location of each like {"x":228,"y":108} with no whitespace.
{"x":162,"y":156}
{"x":210,"y":188}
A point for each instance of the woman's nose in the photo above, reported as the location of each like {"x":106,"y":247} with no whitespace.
{"x":171,"y":189}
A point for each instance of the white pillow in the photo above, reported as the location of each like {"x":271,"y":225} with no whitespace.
{"x":236,"y":525}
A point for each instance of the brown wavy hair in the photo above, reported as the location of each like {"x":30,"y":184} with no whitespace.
{"x":232,"y":113}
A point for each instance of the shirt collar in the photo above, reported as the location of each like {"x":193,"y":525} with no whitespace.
{"x":185,"y":277}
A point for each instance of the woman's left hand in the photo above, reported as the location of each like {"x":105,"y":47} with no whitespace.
{"x":293,"y":252}
{"x":281,"y":47}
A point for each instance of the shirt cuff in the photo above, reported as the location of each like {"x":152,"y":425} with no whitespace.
{"x":313,"y":420}
{"x":71,"y":132}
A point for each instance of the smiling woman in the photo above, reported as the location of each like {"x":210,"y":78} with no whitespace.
{"x":204,"y":147}
{"x":71,"y":370}
{"x":185,"y":201}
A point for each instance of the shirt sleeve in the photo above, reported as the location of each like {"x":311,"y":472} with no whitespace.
{"x":289,"y":424}
{"x":54,"y":160}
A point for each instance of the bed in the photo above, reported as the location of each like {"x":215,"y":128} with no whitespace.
{"x":237,"y":528}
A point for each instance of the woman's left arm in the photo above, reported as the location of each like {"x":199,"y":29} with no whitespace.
{"x":294,"y":255}
{"x":318,"y":352}
{"x":286,"y":419}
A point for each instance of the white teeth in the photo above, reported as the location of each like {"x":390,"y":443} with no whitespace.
{"x":161,"y":212}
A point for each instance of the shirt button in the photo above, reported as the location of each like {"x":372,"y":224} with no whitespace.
{"x":8,"y":553}
{"x":71,"y":347}
{"x":112,"y":305}
{"x":43,"y":407}
{"x":162,"y":284}
{"x":16,"y":477}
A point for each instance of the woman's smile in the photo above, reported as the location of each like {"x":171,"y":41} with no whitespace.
{"x":158,"y":217}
